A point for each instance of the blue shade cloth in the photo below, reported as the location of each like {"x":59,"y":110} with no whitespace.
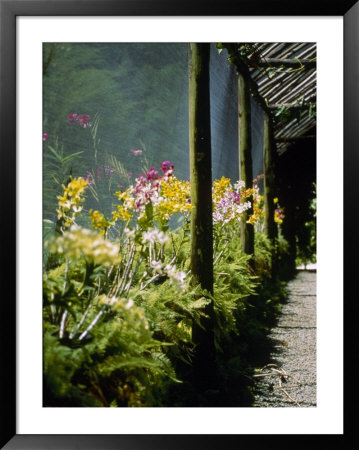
{"x":224,"y":116}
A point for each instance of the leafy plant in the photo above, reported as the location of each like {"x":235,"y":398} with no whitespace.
{"x":119,"y":302}
{"x":57,"y":168}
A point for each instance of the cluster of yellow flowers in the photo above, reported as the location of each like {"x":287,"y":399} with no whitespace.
{"x":278,"y":212}
{"x":171,"y":197}
{"x":99,"y":221}
{"x":126,"y":198}
{"x":175,"y":198}
{"x":258,"y":205}
{"x":70,"y":202}
{"x":219,"y":188}
{"x":168,"y":197}
{"x":223,"y":194}
{"x":122,"y":213}
{"x":124,"y":210}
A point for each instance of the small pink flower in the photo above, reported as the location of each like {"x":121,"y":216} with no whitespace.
{"x":136,"y":152}
{"x":109,"y":171}
{"x":72,"y":118}
{"x":83,"y":120}
{"x":44,"y":136}
{"x":89,"y":178}
{"x":167,"y":166}
{"x":151,"y":174}
{"x":279,"y":213}
{"x":237,"y":198}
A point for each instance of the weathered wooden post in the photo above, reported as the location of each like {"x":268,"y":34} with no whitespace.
{"x":245,"y":158}
{"x":201,"y":198}
{"x":270,"y":227}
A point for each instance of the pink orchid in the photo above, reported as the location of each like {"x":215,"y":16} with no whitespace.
{"x":89,"y":178}
{"x":167,"y":168}
{"x":72,"y":118}
{"x":83,"y":120}
{"x":109,"y":171}
{"x":151,"y":174}
{"x":136,"y":152}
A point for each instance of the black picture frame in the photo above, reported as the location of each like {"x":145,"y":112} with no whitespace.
{"x":9,"y":10}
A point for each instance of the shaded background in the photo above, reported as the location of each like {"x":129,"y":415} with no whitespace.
{"x":137,"y":97}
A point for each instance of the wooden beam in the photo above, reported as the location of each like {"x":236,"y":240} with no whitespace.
{"x":288,"y":63}
{"x":290,"y":105}
{"x":295,"y":138}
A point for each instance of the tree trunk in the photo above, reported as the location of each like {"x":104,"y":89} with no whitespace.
{"x":245,"y":158}
{"x":201,"y":198}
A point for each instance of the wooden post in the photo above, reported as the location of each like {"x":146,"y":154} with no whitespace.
{"x":245,"y":158}
{"x":201,"y":199}
{"x":288,"y":268}
{"x":270,"y":227}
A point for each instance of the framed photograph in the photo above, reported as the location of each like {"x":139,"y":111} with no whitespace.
{"x":45,"y":92}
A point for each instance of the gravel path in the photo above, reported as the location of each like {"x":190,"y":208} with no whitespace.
{"x":290,"y":379}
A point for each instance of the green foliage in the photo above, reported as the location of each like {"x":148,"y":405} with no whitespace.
{"x":137,"y":350}
{"x":117,"y":327}
{"x":60,"y":365}
{"x":117,"y":357}
{"x":301,"y":110}
{"x":171,"y":314}
{"x":57,"y":168}
{"x":118,"y":360}
{"x":233,"y":283}
{"x":263,"y":251}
